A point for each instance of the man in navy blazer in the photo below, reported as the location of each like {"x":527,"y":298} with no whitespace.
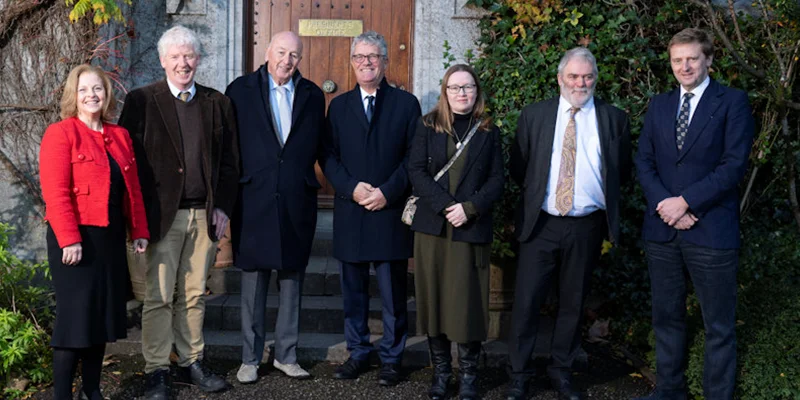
{"x":370,"y":130}
{"x":281,"y":117}
{"x":693,"y":152}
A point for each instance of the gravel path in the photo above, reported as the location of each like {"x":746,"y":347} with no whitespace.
{"x":606,"y":379}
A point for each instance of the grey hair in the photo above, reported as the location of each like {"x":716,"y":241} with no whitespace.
{"x":371,"y":38}
{"x":178,"y":35}
{"x":577,"y":52}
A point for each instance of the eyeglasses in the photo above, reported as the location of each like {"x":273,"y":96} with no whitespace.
{"x":359,"y":58}
{"x":455,"y":89}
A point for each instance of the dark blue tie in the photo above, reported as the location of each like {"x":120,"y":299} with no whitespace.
{"x":370,"y":108}
{"x":682,"y":126}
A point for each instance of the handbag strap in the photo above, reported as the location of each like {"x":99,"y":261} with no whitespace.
{"x":458,"y":152}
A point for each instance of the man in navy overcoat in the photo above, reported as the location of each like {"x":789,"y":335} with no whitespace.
{"x":281,"y":117}
{"x":693,"y":152}
{"x":370,"y":130}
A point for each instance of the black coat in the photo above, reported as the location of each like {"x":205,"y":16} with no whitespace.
{"x":275,"y":218}
{"x":481,"y":182}
{"x":376,"y":153}
{"x":532,"y":149}
{"x":150,"y":117}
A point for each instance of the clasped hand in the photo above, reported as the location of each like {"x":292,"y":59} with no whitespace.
{"x":674,"y":211}
{"x":369,"y":197}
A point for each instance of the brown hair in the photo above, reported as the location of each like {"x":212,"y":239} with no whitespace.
{"x":69,"y":99}
{"x":693,"y":35}
{"x":441,"y":117}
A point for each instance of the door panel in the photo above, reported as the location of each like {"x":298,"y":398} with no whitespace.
{"x":328,"y":58}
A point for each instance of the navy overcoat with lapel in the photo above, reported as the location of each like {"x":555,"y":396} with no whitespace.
{"x":150,"y":116}
{"x":376,"y":153}
{"x":481,"y":182}
{"x":275,"y":218}
{"x":706,"y":172}
{"x":531,"y":155}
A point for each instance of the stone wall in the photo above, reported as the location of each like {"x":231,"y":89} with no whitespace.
{"x":435,"y":22}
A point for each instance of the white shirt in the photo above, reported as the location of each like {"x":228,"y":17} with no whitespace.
{"x":275,"y":97}
{"x":175,"y":91}
{"x":698,"y":93}
{"x":589,"y":196}
{"x":364,"y":100}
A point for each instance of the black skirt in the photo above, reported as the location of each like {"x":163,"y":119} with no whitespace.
{"x":91,"y":296}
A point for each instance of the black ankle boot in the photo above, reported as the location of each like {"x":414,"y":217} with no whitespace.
{"x":468,"y":354}
{"x":442,"y":366}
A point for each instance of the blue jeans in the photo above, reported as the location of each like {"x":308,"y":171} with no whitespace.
{"x":713,"y":275}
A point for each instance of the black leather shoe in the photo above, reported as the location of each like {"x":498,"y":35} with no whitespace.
{"x":204,"y":379}
{"x":351,"y":369}
{"x":517,"y":389}
{"x":389,"y":375}
{"x":157,"y":386}
{"x":565,"y":391}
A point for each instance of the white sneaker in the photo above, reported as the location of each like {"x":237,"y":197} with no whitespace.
{"x":247,"y":373}
{"x":292,"y":370}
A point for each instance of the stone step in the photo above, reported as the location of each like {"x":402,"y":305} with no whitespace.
{"x":322,"y":279}
{"x":318,"y":314}
{"x":315,"y":347}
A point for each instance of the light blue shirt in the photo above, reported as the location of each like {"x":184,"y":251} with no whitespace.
{"x":589,"y":196}
{"x":275,"y":98}
{"x":175,"y":91}
{"x":698,"y":93}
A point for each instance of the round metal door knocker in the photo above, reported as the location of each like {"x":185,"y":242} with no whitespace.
{"x":328,"y":86}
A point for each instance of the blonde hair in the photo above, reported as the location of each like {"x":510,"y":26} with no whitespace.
{"x":441,"y":117}
{"x":69,"y":99}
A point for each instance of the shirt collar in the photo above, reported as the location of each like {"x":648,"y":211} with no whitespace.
{"x":564,"y":106}
{"x":289,"y":85}
{"x":698,"y":91}
{"x":175,"y":91}
{"x":364,"y":94}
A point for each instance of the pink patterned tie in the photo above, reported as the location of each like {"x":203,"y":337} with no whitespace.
{"x":565,"y":190}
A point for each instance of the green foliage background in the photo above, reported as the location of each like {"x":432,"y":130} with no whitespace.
{"x":521,"y":43}
{"x":25,"y":319}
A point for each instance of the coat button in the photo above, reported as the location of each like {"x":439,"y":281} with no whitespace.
{"x":180,"y":170}
{"x":75,"y":190}
{"x":107,"y":140}
{"x":81,"y":156}
{"x":126,"y":168}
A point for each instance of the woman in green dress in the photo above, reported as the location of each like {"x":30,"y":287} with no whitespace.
{"x":453,"y":226}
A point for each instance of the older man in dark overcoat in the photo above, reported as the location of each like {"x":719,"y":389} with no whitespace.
{"x":370,"y":130}
{"x":281,"y":116}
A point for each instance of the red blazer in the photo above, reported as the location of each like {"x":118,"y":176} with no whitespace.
{"x":76,"y":178}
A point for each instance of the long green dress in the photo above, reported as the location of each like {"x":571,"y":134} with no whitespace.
{"x":452,"y":278}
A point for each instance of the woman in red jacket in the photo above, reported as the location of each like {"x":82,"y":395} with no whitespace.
{"x":91,"y":191}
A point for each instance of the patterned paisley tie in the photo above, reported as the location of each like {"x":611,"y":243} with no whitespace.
{"x":682,"y":126}
{"x":565,"y":190}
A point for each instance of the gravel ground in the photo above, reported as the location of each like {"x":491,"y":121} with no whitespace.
{"x":606,"y":379}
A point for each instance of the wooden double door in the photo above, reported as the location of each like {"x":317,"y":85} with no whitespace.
{"x":327,"y":58}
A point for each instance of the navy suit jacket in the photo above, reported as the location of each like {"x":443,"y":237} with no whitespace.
{"x":706,"y":172}
{"x":376,"y":153}
{"x":275,"y":217}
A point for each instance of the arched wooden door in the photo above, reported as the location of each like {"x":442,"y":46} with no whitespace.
{"x":328,"y":28}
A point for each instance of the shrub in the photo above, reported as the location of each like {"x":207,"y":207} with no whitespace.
{"x":521,"y":43}
{"x":25,"y":318}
